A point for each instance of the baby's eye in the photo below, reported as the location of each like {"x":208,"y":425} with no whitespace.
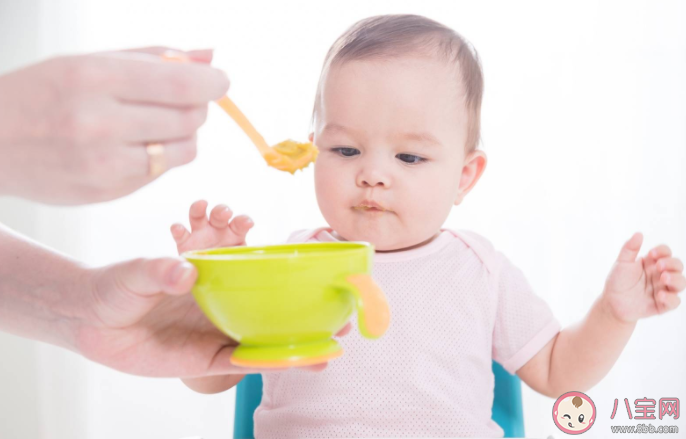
{"x":346,"y":152}
{"x":410,"y":158}
{"x":567,"y":416}
{"x":581,"y":417}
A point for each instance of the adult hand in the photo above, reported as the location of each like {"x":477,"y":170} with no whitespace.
{"x":74,"y":129}
{"x":137,"y":316}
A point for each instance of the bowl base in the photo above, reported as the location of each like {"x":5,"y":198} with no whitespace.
{"x":295,"y":355}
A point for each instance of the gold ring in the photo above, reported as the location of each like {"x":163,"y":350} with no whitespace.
{"x":156,"y":162}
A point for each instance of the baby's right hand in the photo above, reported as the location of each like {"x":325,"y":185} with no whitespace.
{"x":212,"y":233}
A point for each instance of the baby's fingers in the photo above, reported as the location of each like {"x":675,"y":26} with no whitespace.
{"x":345,"y":330}
{"x":180,"y":234}
{"x":673,"y":281}
{"x":667,"y":301}
{"x":670,"y":264}
{"x":630,"y":250}
{"x":660,"y":251}
{"x":197,"y":216}
{"x":220,"y":215}
{"x":241,"y":225}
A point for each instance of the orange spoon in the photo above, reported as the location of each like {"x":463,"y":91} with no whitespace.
{"x":288,"y":155}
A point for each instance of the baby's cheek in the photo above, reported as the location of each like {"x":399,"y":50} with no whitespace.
{"x":429,"y":208}
{"x":331,"y":196}
{"x":325,"y":182}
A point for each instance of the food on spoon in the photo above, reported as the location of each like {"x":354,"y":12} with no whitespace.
{"x":290,"y":155}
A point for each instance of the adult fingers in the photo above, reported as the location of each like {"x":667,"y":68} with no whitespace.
{"x":198,"y":55}
{"x":175,"y":153}
{"x":123,"y":293}
{"x":139,"y":77}
{"x":144,"y":123}
{"x":145,"y":277}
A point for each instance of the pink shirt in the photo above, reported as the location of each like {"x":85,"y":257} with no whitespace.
{"x":456,"y":305}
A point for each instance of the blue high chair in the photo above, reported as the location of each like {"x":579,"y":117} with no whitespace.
{"x":507,"y":404}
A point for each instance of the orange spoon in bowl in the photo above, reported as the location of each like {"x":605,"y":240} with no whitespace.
{"x":288,"y":155}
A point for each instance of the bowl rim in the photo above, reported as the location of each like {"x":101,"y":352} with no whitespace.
{"x":250,"y":253}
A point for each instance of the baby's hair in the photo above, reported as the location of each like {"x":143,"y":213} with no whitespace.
{"x":577,"y":401}
{"x":389,"y":36}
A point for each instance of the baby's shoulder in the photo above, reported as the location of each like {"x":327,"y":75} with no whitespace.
{"x":481,"y":248}
{"x":304,"y":235}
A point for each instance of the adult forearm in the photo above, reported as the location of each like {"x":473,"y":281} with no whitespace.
{"x":37,"y":291}
{"x":584,"y":353}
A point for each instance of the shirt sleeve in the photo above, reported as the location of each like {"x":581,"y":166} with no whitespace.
{"x":524,"y":322}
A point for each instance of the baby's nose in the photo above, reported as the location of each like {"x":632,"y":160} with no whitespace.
{"x":373,"y":178}
{"x":374,"y":172}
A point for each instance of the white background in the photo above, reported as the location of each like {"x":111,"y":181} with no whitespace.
{"x":584,"y":123}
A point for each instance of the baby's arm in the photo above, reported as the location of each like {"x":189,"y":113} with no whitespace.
{"x":219,"y":230}
{"x":580,"y":356}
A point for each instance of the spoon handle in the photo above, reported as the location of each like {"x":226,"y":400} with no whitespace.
{"x":237,"y":115}
{"x":231,"y":109}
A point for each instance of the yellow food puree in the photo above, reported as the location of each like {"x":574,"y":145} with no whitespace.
{"x":290,"y":155}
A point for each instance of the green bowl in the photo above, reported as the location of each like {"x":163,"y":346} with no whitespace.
{"x":284,"y":303}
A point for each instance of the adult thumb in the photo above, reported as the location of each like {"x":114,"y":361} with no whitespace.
{"x":629,"y":251}
{"x":147,"y":277}
{"x":125,"y":292}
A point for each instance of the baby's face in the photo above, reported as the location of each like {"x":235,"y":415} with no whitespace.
{"x":391,"y":135}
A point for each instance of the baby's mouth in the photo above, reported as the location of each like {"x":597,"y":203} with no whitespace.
{"x":370,"y":206}
{"x":570,"y":425}
{"x":369,"y":209}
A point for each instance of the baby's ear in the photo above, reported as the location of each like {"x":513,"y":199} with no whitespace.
{"x":311,"y":137}
{"x":473,"y":168}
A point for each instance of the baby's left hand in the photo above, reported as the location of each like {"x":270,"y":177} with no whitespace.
{"x":643,"y":287}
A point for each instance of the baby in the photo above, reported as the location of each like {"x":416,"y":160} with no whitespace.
{"x":396,"y":119}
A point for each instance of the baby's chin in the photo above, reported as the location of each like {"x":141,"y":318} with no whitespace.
{"x":381,"y":243}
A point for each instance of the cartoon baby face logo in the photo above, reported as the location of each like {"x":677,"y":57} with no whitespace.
{"x":574,"y":413}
